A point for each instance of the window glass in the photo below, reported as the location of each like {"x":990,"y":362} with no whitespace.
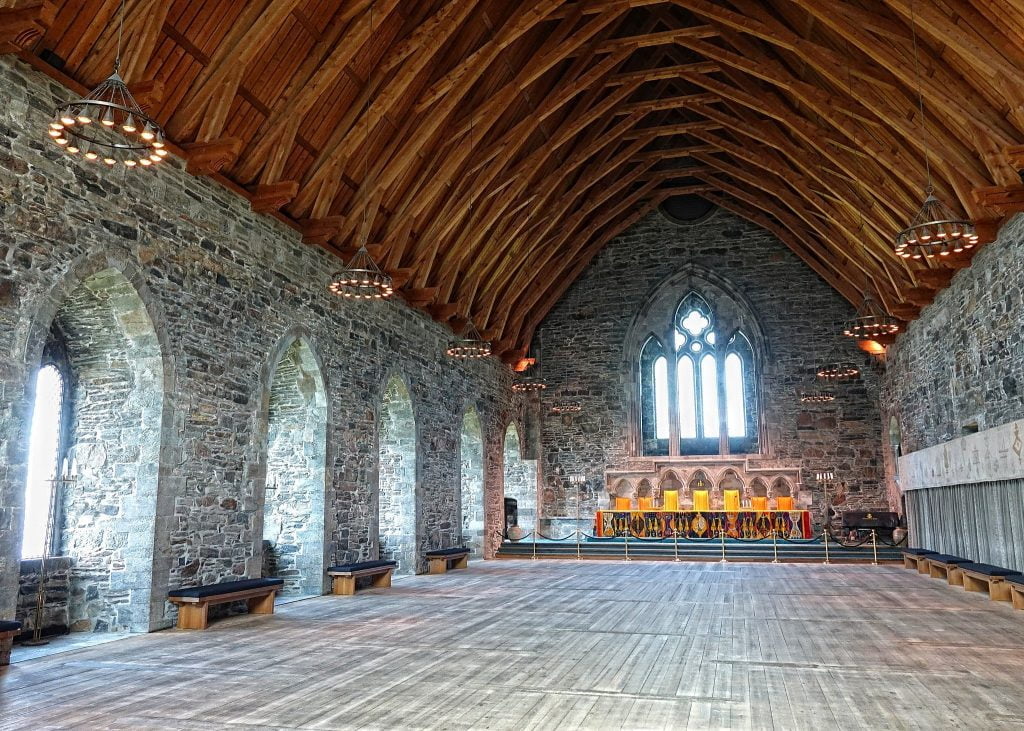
{"x":44,"y":447}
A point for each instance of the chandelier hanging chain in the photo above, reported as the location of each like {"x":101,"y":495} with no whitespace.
{"x":929,"y":187}
{"x":120,"y":35}
{"x":936,"y":230}
{"x":363,"y":279}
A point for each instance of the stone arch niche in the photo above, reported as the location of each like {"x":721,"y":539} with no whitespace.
{"x":106,"y":519}
{"x":296,"y":459}
{"x":471,"y":482}
{"x":396,"y":478}
{"x":520,"y":479}
{"x":652,"y":334}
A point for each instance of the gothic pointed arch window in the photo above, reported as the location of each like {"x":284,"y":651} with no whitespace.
{"x":698,"y":395}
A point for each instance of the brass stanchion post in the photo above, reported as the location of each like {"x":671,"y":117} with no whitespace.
{"x":675,"y":542}
{"x":775,"y":546}
{"x":874,"y":547}
{"x":824,"y":536}
{"x":535,"y":541}
{"x":628,"y":531}
{"x":721,"y":534}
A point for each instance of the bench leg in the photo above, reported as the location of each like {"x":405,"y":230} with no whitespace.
{"x":909,"y":563}
{"x":382,"y":581}
{"x":1017,"y":597}
{"x":6,"y":640}
{"x":935,"y":572}
{"x":437,"y":566}
{"x":462,"y":563}
{"x":922,"y":566}
{"x":975,"y":585}
{"x":998,"y":591}
{"x":955,"y":577}
{"x":344,"y":585}
{"x":193,"y":616}
{"x":262,"y":604}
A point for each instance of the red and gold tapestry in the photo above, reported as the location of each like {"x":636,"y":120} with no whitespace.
{"x":703,"y":524}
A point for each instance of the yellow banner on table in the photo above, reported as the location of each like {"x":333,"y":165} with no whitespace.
{"x":670,"y":500}
{"x":732,"y":501}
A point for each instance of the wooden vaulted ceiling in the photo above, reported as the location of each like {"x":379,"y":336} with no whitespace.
{"x":485,"y":150}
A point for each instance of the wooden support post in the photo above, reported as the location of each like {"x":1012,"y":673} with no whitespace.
{"x":344,"y":585}
{"x":207,"y":158}
{"x":272,"y":196}
{"x":381,"y":581}
{"x":193,"y":616}
{"x":21,"y":27}
{"x":262,"y":604}
{"x":1005,"y":199}
{"x":1017,"y":596}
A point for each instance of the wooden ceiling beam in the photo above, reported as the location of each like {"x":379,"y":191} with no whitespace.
{"x":554,"y":289}
{"x":22,"y":26}
{"x":661,"y":38}
{"x":800,"y":246}
{"x":323,"y":66}
{"x":209,"y":97}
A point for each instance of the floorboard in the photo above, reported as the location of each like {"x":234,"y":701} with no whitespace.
{"x":559,"y":645}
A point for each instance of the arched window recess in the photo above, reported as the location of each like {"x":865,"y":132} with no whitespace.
{"x":696,"y":387}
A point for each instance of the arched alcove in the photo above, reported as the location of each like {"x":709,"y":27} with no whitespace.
{"x":696,"y":350}
{"x":781,"y":487}
{"x":471,"y":482}
{"x":758,"y":488}
{"x":730,"y":481}
{"x":296,"y":458}
{"x":105,"y":518}
{"x":396,"y":475}
{"x":623,"y":488}
{"x":520,"y":480}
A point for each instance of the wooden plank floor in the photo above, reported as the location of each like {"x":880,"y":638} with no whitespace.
{"x":564,"y":644}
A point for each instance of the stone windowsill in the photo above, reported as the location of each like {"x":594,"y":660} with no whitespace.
{"x":53,"y":564}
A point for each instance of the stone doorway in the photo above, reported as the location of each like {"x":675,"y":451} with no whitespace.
{"x":396,"y":504}
{"x":293,"y":508}
{"x":471,"y":482}
{"x":520,"y":480}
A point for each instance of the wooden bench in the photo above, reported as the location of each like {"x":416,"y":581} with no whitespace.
{"x":344,"y":577}
{"x":8,"y":631}
{"x":1016,"y":586}
{"x":944,"y":566}
{"x":913,"y":558}
{"x":983,"y":577}
{"x":438,"y":561}
{"x":194,"y":602}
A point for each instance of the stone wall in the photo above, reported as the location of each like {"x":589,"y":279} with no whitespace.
{"x":226,"y":292}
{"x":56,"y":592}
{"x":960,"y":366}
{"x":293,"y":512}
{"x":585,"y":358}
{"x":959,"y":369}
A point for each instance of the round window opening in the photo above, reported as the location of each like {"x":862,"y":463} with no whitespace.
{"x":686,"y":208}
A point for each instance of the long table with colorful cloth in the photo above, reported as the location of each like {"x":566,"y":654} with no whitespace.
{"x":703,"y":523}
